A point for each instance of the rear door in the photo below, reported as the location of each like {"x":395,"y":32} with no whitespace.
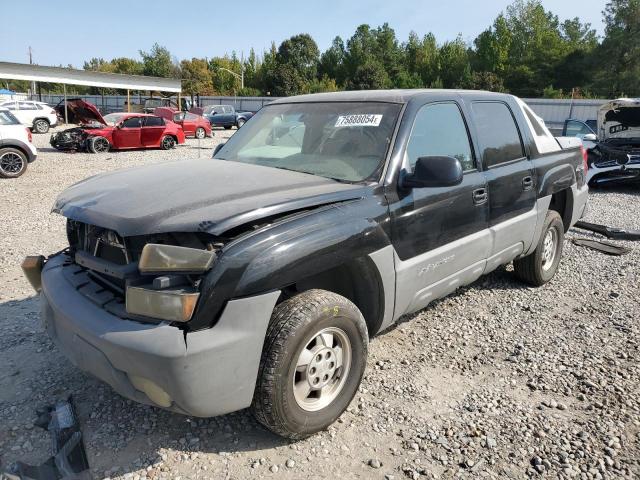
{"x":127,"y":135}
{"x":440,"y":235}
{"x":152,"y":131}
{"x":510,"y":178}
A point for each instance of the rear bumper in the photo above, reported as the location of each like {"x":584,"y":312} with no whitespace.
{"x":205,"y":373}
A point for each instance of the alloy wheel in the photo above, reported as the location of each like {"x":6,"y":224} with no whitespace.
{"x":322,"y":369}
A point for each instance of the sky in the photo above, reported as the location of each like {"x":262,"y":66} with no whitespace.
{"x":63,"y":32}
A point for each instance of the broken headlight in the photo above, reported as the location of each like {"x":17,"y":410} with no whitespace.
{"x":169,"y":297}
{"x":171,"y":258}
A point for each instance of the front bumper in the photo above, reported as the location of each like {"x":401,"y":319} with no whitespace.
{"x":614,"y":173}
{"x":205,"y":373}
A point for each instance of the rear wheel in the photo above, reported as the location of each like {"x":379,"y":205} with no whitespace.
{"x":200,"y":132}
{"x":227,"y":127}
{"x":313,"y":360}
{"x":168,"y":142}
{"x":98,"y":144}
{"x":40,"y":126}
{"x":13,"y":163}
{"x":540,"y":266}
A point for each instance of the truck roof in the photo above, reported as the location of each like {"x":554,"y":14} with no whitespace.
{"x":392,"y":96}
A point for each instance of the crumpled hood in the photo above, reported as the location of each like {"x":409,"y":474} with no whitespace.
{"x":619,"y":119}
{"x":80,"y":112}
{"x":195,"y":196}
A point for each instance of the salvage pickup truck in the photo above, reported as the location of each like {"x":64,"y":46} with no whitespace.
{"x":257,"y":277}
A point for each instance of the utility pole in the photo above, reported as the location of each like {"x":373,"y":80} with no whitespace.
{"x":33,"y":83}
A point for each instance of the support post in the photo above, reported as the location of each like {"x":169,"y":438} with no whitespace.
{"x":128,"y":101}
{"x":66,"y":114}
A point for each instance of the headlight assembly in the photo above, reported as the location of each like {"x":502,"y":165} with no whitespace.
{"x":173,"y":305}
{"x":171,"y":258}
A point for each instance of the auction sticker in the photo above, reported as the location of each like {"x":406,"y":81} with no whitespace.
{"x":359,"y":120}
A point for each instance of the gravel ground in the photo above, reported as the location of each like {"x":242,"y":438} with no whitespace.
{"x":496,"y":381}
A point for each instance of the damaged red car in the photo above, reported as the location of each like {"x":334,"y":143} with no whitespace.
{"x":117,"y":131}
{"x":193,"y":125}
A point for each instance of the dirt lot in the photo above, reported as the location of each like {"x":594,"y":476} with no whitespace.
{"x":496,"y":381}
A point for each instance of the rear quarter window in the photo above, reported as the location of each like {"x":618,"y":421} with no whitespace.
{"x":498,"y":134}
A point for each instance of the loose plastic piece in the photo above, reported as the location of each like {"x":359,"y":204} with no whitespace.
{"x":70,"y":458}
{"x":602,"y":246}
{"x":610,"y":232}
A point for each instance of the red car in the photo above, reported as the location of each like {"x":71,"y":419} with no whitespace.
{"x":193,"y":125}
{"x":116,"y":131}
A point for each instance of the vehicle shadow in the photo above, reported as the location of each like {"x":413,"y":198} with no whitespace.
{"x":116,"y":431}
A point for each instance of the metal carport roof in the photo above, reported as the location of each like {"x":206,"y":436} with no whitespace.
{"x":70,"y":76}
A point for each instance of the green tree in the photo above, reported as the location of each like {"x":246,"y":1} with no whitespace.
{"x":618,"y":57}
{"x":159,"y":63}
{"x":369,"y":76}
{"x":196,"y":77}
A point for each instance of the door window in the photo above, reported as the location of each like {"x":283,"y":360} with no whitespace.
{"x":439,"y":130}
{"x":153,"y":122}
{"x":133,"y":122}
{"x":498,"y":133}
{"x":576,"y":128}
{"x":9,"y":105}
{"x":26,"y":106}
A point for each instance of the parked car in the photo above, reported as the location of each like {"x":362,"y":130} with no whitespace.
{"x":225,"y":116}
{"x":116,"y":131}
{"x":16,"y":149}
{"x":193,"y":125}
{"x":38,"y":116}
{"x":257,"y":277}
{"x":150,"y":104}
{"x":614,"y":146}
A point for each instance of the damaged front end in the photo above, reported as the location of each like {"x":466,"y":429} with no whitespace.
{"x":71,"y":139}
{"x":616,"y":157}
{"x":148,"y":278}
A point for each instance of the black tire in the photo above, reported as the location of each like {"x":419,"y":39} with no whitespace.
{"x":98,"y":144}
{"x":227,"y":127}
{"x":167,"y":142}
{"x":536,"y":268}
{"x":200,"y":132}
{"x":13,"y":162}
{"x":294,"y":325}
{"x":40,"y":125}
{"x":240,"y":122}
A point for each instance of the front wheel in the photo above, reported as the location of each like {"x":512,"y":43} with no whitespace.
{"x":240,"y":123}
{"x":98,"y":144}
{"x":168,"y":142}
{"x":313,"y":360}
{"x":540,"y":266}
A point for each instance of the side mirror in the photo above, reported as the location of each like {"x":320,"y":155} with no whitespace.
{"x":217,"y":149}
{"x":590,"y":137}
{"x":435,"y":171}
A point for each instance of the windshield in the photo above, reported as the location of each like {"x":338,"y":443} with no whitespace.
{"x":342,"y":141}
{"x":113,"y":119}
{"x":7,"y":118}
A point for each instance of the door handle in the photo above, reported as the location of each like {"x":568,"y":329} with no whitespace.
{"x":527,"y":183}
{"x":480,"y":196}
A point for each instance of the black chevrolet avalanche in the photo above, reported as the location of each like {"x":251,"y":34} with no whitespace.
{"x":256,"y":278}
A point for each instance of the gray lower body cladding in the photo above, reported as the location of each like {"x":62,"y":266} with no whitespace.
{"x":205,"y":373}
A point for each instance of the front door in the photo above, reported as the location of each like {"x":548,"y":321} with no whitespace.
{"x":127,"y":134}
{"x":511,"y":180}
{"x":440,"y":235}
{"x":152,"y":131}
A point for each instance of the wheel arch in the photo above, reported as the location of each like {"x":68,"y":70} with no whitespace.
{"x":359,"y":281}
{"x":562,"y":202}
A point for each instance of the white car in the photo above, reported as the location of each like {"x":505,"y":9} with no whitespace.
{"x":36,"y":115}
{"x":16,"y":149}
